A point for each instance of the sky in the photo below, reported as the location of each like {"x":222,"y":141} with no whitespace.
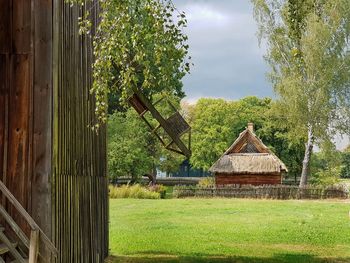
{"x":228,"y":62}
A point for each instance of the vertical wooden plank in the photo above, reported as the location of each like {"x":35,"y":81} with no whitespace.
{"x":4,"y":81}
{"x":21,"y":26}
{"x":5,"y":48}
{"x":42,"y":109}
{"x":19,"y":101}
{"x":61,"y":150}
{"x":56,"y":142}
{"x":5,"y":26}
{"x":34,"y":246}
{"x":42,"y":123}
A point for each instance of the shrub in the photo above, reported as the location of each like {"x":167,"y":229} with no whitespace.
{"x":206,"y":182}
{"x":345,"y":173}
{"x":158,"y":188}
{"x":132,"y":191}
{"x":327,"y":177}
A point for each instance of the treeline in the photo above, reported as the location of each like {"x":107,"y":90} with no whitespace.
{"x":133,"y":151}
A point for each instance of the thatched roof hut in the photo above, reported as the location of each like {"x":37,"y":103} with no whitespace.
{"x":248,"y":161}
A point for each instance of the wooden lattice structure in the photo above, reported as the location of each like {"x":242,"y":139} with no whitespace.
{"x":174,"y":127}
{"x":50,"y":160}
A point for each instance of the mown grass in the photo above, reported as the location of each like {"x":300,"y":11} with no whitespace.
{"x":229,"y":230}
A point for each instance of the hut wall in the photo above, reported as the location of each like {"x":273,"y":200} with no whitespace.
{"x":80,"y":190}
{"x":253,"y":179}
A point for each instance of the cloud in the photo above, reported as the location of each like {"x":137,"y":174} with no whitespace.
{"x":223,"y":45}
{"x":199,"y":14}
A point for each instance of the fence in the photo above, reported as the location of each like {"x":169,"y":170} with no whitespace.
{"x":267,"y":191}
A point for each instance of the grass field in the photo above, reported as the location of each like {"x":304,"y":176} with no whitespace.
{"x":229,"y":230}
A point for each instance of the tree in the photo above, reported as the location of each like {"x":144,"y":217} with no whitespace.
{"x":345,"y":172}
{"x":326,"y":165}
{"x":130,"y":146}
{"x":308,"y":51}
{"x":282,"y":140}
{"x":138,"y":44}
{"x":211,"y":132}
{"x":169,"y":162}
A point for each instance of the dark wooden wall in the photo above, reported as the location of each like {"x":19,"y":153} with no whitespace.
{"x":49,"y":158}
{"x":253,"y":179}
{"x":25,"y":106}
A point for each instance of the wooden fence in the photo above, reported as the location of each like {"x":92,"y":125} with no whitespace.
{"x":267,"y":192}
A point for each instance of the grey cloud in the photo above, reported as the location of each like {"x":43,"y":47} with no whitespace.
{"x":224,"y":47}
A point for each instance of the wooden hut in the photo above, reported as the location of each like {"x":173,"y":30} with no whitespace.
{"x":248,"y":161}
{"x":52,"y":165}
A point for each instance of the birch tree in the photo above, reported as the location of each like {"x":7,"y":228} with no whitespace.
{"x":308,"y":51}
{"x":137,"y":44}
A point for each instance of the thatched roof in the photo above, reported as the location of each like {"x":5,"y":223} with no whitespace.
{"x":248,"y":155}
{"x":247,"y":163}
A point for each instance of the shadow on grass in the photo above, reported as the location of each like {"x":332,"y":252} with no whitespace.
{"x":277,"y":258}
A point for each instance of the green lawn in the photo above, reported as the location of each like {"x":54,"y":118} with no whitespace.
{"x":229,"y":230}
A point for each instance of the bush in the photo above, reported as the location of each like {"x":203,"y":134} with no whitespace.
{"x":132,"y":191}
{"x":327,"y":177}
{"x":207,"y":182}
{"x":158,"y":188}
{"x":345,"y":173}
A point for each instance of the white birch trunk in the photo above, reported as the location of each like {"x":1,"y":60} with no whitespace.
{"x":306,"y":162}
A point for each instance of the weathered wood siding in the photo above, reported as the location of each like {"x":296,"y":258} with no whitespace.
{"x":80,"y":194}
{"x":49,"y":159}
{"x":25,"y":106}
{"x":253,"y":179}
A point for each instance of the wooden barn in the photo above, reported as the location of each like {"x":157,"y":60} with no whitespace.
{"x":53,"y":183}
{"x":248,"y":161}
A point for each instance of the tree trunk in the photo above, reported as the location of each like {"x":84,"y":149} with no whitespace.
{"x":306,"y":162}
{"x":154,"y":173}
{"x":152,"y":176}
